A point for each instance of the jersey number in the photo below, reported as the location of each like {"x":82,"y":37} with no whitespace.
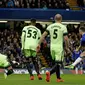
{"x":55,"y":34}
{"x":30,"y":34}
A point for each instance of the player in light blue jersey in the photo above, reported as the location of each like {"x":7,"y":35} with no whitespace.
{"x":58,"y":34}
{"x":29,"y":40}
{"x":82,"y":46}
{"x":4,"y":63}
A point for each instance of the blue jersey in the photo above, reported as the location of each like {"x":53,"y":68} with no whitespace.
{"x":75,"y":54}
{"x":83,"y":40}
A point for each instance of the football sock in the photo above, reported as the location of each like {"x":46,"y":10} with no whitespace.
{"x":53,"y":70}
{"x":36,"y":65}
{"x":9,"y":72}
{"x":79,"y":59}
{"x":58,"y":71}
{"x":29,"y":69}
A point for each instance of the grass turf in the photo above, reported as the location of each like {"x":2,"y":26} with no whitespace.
{"x":23,"y":79}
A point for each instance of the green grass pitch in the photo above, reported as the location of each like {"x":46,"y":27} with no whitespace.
{"x":22,"y":79}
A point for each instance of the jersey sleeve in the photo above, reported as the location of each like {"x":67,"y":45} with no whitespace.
{"x":65,"y":32}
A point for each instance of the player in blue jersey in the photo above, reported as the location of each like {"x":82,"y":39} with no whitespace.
{"x":76,"y":53}
{"x":82,"y":47}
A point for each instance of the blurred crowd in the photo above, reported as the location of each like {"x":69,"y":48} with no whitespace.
{"x":45,"y":4}
{"x":56,"y":4}
{"x":10,"y":44}
{"x":81,"y":3}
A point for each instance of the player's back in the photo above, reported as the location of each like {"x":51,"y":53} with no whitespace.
{"x":32,"y":35}
{"x":57,"y":31}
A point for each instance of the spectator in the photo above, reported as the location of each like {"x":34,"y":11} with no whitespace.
{"x":56,"y":6}
{"x":84,"y":2}
{"x":1,"y":5}
{"x":43,"y":3}
{"x":10,"y":4}
{"x":62,"y":6}
{"x":80,"y":3}
{"x":67,"y":6}
{"x":29,"y":1}
{"x":28,"y":5}
{"x":24,"y":4}
{"x":49,"y":1}
{"x":49,"y":5}
{"x":38,"y":5}
{"x":17,"y":3}
{"x":54,"y":1}
{"x":45,"y":6}
{"x":33,"y":4}
{"x":4,"y":3}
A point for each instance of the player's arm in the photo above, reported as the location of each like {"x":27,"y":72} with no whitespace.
{"x":39,"y":35}
{"x":66,"y":40}
{"x":43,"y":37}
{"x":23,"y":38}
{"x":79,"y":48}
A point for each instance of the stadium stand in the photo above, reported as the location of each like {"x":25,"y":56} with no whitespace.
{"x":45,"y":4}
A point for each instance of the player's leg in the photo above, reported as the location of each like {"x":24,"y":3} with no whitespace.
{"x":29,"y":68}
{"x":59,"y":79}
{"x":9,"y":71}
{"x":28,"y":56}
{"x":9,"y":68}
{"x":78,"y":60}
{"x":5,"y":64}
{"x":35,"y":62}
{"x":82,"y":56}
{"x":59,"y":56}
{"x":49,"y":73}
{"x":55,"y":68}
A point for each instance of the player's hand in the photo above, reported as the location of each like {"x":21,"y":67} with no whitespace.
{"x":38,"y":48}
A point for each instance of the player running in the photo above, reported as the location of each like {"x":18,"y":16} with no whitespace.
{"x":29,"y":39}
{"x":82,"y":47}
{"x":5,"y":64}
{"x":57,"y":32}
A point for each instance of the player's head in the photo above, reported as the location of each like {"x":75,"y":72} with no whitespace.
{"x":58,"y":18}
{"x":33,"y":22}
{"x":82,"y":30}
